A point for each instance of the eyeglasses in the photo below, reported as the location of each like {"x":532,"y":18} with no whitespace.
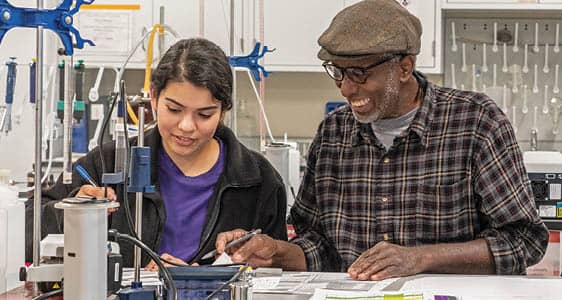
{"x":356,"y":74}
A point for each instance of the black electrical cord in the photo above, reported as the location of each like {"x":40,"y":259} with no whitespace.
{"x":48,"y":294}
{"x":107,"y":117}
{"x":167,"y":276}
{"x":231,"y":280}
{"x":123,"y":98}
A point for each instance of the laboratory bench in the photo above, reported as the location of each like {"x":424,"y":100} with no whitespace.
{"x":465,"y":287}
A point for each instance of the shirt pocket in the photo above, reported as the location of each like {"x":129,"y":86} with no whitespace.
{"x":445,"y":213}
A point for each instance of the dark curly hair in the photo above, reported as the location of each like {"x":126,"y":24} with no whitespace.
{"x":200,"y":62}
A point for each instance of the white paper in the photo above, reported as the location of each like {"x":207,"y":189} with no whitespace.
{"x":148,"y":278}
{"x":223,"y":259}
{"x":322,"y":294}
{"x":109,"y":30}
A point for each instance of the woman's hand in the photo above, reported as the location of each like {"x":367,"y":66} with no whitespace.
{"x":88,"y":190}
{"x":152,"y":266}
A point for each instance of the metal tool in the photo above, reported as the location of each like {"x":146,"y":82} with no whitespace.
{"x":233,"y":243}
{"x":6,"y":122}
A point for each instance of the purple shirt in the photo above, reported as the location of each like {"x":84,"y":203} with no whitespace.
{"x":186,"y":200}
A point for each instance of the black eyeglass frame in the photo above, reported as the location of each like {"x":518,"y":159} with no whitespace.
{"x":362,"y":71}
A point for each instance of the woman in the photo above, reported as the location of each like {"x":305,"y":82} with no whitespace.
{"x":206,"y":180}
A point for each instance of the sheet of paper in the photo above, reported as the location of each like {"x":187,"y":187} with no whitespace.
{"x":148,"y":278}
{"x":223,"y":259}
{"x":265,"y":283}
{"x":487,"y":287}
{"x":325,"y":294}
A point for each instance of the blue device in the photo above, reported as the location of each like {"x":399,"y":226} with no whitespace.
{"x":250,"y":61}
{"x":59,"y":20}
{"x":139,"y":172}
{"x":32,"y":69}
{"x":11,"y":80}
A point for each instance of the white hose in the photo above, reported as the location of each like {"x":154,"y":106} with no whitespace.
{"x":262,"y":109}
{"x":51,"y":122}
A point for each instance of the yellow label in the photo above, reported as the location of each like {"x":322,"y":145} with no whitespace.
{"x":112,"y":6}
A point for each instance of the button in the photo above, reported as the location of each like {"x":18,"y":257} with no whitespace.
{"x":384,"y":199}
{"x":386,"y":160}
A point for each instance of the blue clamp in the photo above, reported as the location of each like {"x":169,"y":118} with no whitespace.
{"x":11,"y":80}
{"x":139,"y":170}
{"x":251,"y":61}
{"x":59,"y":20}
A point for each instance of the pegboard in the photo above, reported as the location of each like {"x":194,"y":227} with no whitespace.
{"x":526,"y":86}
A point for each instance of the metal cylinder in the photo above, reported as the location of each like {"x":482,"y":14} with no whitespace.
{"x":241,"y":290}
{"x":278,"y":156}
{"x":85,"y":250}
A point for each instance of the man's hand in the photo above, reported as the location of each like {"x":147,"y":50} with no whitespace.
{"x":257,"y":251}
{"x":152,"y":266}
{"x":386,"y":260}
{"x":98,"y":192}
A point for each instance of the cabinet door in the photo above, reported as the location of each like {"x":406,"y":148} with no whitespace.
{"x":490,"y":1}
{"x":115,"y":28}
{"x":292,"y":27}
{"x":185,"y":18}
{"x":429,"y":14}
{"x":181,"y":16}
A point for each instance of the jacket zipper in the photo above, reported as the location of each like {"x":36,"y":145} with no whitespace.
{"x":214,"y":219}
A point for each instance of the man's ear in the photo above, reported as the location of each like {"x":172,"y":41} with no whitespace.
{"x":407,"y":65}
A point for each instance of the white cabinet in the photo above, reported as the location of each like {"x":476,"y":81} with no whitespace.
{"x":514,"y":5}
{"x":211,"y":21}
{"x":115,"y":28}
{"x":293,"y":28}
{"x":490,"y":1}
{"x":296,"y":41}
{"x":429,"y":13}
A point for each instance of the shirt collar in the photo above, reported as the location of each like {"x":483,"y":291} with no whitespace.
{"x":425,"y":115}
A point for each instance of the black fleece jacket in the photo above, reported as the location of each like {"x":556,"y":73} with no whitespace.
{"x":249,"y":194}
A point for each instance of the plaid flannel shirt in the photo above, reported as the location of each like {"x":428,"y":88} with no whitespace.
{"x":455,"y":175}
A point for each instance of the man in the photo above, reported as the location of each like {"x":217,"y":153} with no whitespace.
{"x":410,"y":177}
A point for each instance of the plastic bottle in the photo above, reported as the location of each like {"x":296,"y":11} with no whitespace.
{"x":12,"y":237}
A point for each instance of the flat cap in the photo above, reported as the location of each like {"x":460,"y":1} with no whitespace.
{"x":371,"y":27}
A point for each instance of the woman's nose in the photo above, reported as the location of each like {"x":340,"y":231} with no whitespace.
{"x":187,"y":124}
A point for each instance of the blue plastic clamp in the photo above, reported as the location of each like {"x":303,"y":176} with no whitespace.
{"x":139,"y":172}
{"x":250,"y":61}
{"x":11,"y":80}
{"x":32,"y":69}
{"x":59,"y":20}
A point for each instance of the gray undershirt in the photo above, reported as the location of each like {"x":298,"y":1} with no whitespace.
{"x":388,"y":129}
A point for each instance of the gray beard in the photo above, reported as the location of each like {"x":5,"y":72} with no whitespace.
{"x":375,"y":116}
{"x":390,"y":96}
